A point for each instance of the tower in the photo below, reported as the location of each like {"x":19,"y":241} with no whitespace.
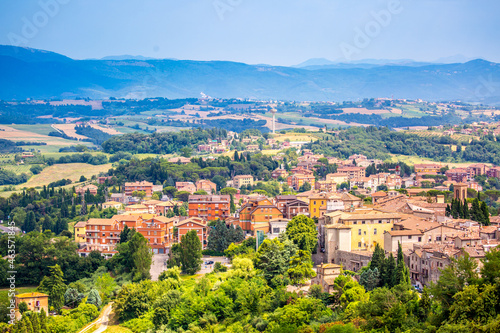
{"x":273,"y":111}
{"x":460,"y":191}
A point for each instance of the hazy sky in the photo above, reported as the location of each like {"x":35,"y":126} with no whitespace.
{"x":278,"y":32}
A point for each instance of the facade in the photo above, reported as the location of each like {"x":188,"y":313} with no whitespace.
{"x":206,"y":185}
{"x":281,"y":201}
{"x":242,"y":180}
{"x":92,"y":189}
{"x":36,"y":302}
{"x":139,"y":186}
{"x":297,"y":180}
{"x":256,"y":214}
{"x":338,"y":178}
{"x":112,"y":204}
{"x":209,"y":207}
{"x":317,"y":202}
{"x":352,"y":172}
{"x":193,"y":223}
{"x":80,"y":237}
{"x":294,"y":208}
{"x":427,"y":168}
{"x":326,"y":275}
{"x":277,"y":226}
{"x":185,"y":187}
{"x":279,"y":173}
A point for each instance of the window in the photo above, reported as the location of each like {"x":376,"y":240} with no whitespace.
{"x":379,"y":221}
{"x":314,"y":202}
{"x":364,"y":234}
{"x":355,"y":222}
{"x":375,"y":231}
{"x":409,"y":237}
{"x":359,"y":231}
{"x":276,"y":230}
{"x":363,"y":222}
{"x":419,"y":239}
{"x":359,"y":244}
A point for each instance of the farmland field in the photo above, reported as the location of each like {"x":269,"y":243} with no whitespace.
{"x":17,"y":169}
{"x":71,"y":171}
{"x":69,"y":130}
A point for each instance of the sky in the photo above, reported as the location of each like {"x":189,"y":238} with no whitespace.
{"x":276,"y":32}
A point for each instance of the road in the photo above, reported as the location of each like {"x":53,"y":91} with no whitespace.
{"x":209,"y":268}
{"x":104,"y":320}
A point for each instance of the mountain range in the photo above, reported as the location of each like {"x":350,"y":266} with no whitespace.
{"x":30,"y":73}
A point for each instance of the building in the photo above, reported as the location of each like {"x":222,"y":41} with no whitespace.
{"x":145,"y":186}
{"x":359,"y":230}
{"x":352,"y":172}
{"x":209,"y":207}
{"x":80,"y":236}
{"x":137,"y":208}
{"x":256,"y":214}
{"x":186,"y":187}
{"x":277,"y":226}
{"x":206,"y":185}
{"x":326,"y":275}
{"x":428,"y":168}
{"x":294,"y":208}
{"x":457,"y":175}
{"x":193,"y":223}
{"x":92,"y":189}
{"x":279,"y":173}
{"x":242,"y":180}
{"x":477,"y":170}
{"x":155,"y":232}
{"x":325,"y":186}
{"x":102,"y":235}
{"x":281,"y":200}
{"x":112,"y":204}
{"x":460,"y":191}
{"x":317,"y":202}
{"x":297,"y":180}
{"x":36,"y":302}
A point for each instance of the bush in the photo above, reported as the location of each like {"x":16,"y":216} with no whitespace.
{"x":36,"y":169}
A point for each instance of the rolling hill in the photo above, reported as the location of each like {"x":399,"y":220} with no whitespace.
{"x":28,"y":73}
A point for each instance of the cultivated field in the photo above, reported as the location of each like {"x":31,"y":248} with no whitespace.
{"x":69,"y":130}
{"x":106,"y":129}
{"x":71,"y":171}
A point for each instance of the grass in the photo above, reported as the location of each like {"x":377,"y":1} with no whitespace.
{"x":43,"y":129}
{"x":17,"y":169}
{"x":4,"y":293}
{"x":71,"y":171}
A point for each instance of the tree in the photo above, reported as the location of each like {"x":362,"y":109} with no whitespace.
{"x":378,"y":261}
{"x":29,"y":222}
{"x":105,"y":284}
{"x":219,"y":237}
{"x":94,"y":298}
{"x":72,"y":297}
{"x":182,"y":196}
{"x":190,"y":247}
{"x":305,"y":187}
{"x":402,"y":275}
{"x":370,"y":278}
{"x":300,"y":267}
{"x":490,"y":271}
{"x":139,"y":194}
{"x":47,"y":223}
{"x":389,"y":270}
{"x":54,"y":286}
{"x":301,"y":230}
{"x":23,"y":307}
{"x":141,"y":256}
{"x":485,"y":213}
{"x":273,"y":259}
{"x":219,"y":181}
{"x":174,"y":256}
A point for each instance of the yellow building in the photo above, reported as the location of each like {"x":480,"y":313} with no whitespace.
{"x":242,"y":180}
{"x":316,"y":202}
{"x":80,"y":232}
{"x":367,"y":227}
{"x":36,"y":302}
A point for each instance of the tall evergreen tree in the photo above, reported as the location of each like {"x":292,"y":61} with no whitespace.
{"x":485,"y":213}
{"x":190,"y":252}
{"x":47,"y":223}
{"x":29,"y":222}
{"x":141,"y":257}
{"x":54,"y":286}
{"x":389,"y":271}
{"x":465,"y":209}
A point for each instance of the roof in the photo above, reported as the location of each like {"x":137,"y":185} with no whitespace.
{"x":329,"y":266}
{"x":126,"y":217}
{"x":405,"y":232}
{"x":379,"y":194}
{"x":81,"y":224}
{"x":100,"y":222}
{"x":112,"y":203}
{"x":137,"y":206}
{"x":30,"y":295}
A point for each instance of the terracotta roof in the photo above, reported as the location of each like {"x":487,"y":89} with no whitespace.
{"x":405,"y":232}
{"x":100,"y":222}
{"x":80,"y":224}
{"x":379,"y":194}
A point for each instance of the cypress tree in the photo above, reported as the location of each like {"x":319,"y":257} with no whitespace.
{"x":460,"y":212}
{"x":389,"y":270}
{"x":465,"y":208}
{"x":486,"y":213}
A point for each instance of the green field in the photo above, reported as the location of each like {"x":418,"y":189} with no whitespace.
{"x":43,"y":129}
{"x":4,"y":293}
{"x":17,"y":169}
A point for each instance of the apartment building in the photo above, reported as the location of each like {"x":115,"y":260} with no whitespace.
{"x":193,"y":223}
{"x":352,"y":172}
{"x":139,"y":186}
{"x":256,"y":214}
{"x":209,"y":207}
{"x":297,"y":180}
{"x":242,"y":180}
{"x":206,"y":185}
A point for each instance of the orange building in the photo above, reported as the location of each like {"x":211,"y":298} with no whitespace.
{"x":256,"y":214}
{"x":209,"y":207}
{"x":36,"y":302}
{"x":297,"y":180}
{"x":155,"y":231}
{"x":139,"y":186}
{"x":193,"y":223}
{"x":102,"y":235}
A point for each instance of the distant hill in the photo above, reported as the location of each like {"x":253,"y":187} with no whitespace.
{"x":41,"y":74}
